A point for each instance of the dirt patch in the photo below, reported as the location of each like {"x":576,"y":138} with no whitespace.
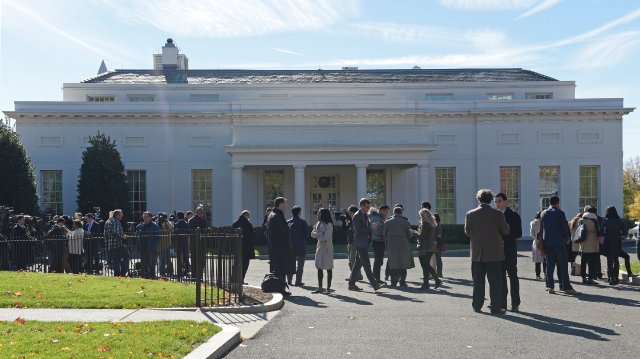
{"x":255,"y":296}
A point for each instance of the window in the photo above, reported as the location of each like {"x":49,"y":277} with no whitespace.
{"x":273,"y":186}
{"x":52,"y":192}
{"x":204,"y":98}
{"x":549,"y":184}
{"x":439,"y":97}
{"x":108,"y":98}
{"x":499,"y":96}
{"x":137,"y":182}
{"x":446,"y":194}
{"x":376,"y":186}
{"x":201,"y":190}
{"x":589,"y":186}
{"x":141,"y":98}
{"x":510,"y":186}
{"x":539,"y":96}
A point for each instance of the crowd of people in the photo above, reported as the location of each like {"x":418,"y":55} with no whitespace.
{"x":81,"y":243}
{"x":365,"y":227}
{"x":493,"y":234}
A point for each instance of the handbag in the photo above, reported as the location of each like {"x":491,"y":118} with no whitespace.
{"x":273,"y":284}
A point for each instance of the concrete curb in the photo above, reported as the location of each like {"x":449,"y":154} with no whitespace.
{"x":625,"y":278}
{"x":276,"y":303}
{"x":218,"y":345}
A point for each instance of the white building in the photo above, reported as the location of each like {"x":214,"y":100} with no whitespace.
{"x":235,"y":139}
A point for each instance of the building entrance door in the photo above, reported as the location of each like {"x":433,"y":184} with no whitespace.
{"x":325,"y":192}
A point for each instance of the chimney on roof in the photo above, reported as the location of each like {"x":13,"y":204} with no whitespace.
{"x":169,"y":55}
{"x":170,"y":58}
{"x":103,"y":68}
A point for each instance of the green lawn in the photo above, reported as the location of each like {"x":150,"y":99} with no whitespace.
{"x":635,"y":267}
{"x":53,"y":290}
{"x":342,"y":248}
{"x":163,"y":339}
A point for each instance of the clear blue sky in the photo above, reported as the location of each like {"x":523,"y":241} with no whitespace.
{"x":45,"y":43}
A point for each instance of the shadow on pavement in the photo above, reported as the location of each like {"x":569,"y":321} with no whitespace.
{"x":560,"y":326}
{"x":349,"y":299}
{"x":398,"y":297}
{"x":608,"y":299}
{"x":305,"y":301}
{"x":449,"y":294}
{"x":459,"y":281}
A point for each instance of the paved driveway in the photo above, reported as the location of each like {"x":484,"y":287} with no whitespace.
{"x":408,"y":323}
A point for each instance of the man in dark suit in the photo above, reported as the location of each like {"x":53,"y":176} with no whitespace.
{"x":510,"y":253}
{"x":361,"y":241}
{"x":555,"y":235}
{"x":485,"y":227}
{"x":278,"y":236}
{"x":300,"y":233}
{"x":92,"y":243}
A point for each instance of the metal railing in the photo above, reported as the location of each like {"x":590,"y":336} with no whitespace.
{"x":211,"y":259}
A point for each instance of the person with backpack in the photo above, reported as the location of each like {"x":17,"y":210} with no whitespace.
{"x":323,"y":232}
{"x":589,"y":249}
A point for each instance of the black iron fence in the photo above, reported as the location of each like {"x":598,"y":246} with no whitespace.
{"x":211,"y":259}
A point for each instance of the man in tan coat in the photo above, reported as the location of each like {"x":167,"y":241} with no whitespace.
{"x":486,"y":226}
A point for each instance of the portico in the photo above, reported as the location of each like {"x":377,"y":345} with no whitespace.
{"x":332,"y":176}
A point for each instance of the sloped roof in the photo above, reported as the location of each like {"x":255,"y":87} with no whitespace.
{"x":219,"y":77}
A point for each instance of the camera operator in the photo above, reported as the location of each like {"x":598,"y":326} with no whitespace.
{"x":22,"y":251}
{"x":348,"y":228}
{"x":92,"y":243}
{"x":166,"y":233}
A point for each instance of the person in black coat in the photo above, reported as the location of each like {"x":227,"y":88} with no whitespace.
{"x":197,"y":222}
{"x":278,"y":237}
{"x":92,"y":243}
{"x":248,"y":251}
{"x":21,"y":248}
{"x":300,"y":233}
{"x":510,"y":253}
{"x":181,"y":230}
{"x":58,"y":245}
{"x":614,"y":231}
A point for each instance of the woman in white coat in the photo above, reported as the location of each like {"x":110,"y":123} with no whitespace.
{"x":537,"y":257}
{"x":323,"y":232}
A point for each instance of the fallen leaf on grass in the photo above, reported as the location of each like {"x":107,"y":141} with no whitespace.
{"x":142,"y":286}
{"x":19,"y":321}
{"x":39,"y":295}
{"x":18,"y":294}
{"x":103,"y":348}
{"x":54,"y":340}
{"x":60,"y":329}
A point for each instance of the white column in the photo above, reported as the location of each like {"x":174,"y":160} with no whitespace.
{"x":423,"y":183}
{"x":236,"y":191}
{"x":300,"y":193}
{"x":361,"y":181}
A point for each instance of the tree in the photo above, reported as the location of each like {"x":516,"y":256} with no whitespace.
{"x":631,"y":187}
{"x":18,"y":188}
{"x":102,"y":182}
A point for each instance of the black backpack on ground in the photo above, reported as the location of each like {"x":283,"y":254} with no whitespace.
{"x":273,"y":284}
